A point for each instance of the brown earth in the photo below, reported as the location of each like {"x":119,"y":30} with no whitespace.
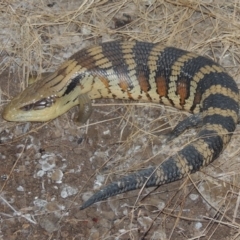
{"x":49,"y":169}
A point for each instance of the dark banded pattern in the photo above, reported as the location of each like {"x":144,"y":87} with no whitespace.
{"x":141,"y":71}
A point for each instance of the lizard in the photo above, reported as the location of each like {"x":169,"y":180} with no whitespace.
{"x":148,"y":72}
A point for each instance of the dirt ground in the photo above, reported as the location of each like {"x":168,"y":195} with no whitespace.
{"x":49,"y":169}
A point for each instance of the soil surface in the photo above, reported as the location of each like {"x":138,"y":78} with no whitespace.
{"x":49,"y":169}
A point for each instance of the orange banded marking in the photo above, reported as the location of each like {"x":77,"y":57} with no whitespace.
{"x":143,"y":82}
{"x":162,"y":87}
{"x":197,"y":98}
{"x":182,"y":90}
{"x":104,"y":81}
{"x":123,"y":84}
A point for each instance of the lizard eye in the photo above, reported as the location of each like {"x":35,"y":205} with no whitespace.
{"x":41,"y":104}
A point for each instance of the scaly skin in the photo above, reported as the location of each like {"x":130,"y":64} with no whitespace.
{"x":148,"y":72}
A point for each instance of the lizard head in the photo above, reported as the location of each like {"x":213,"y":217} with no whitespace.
{"x":46,"y":98}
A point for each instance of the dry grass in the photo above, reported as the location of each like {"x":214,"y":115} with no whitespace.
{"x":36,"y":37}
